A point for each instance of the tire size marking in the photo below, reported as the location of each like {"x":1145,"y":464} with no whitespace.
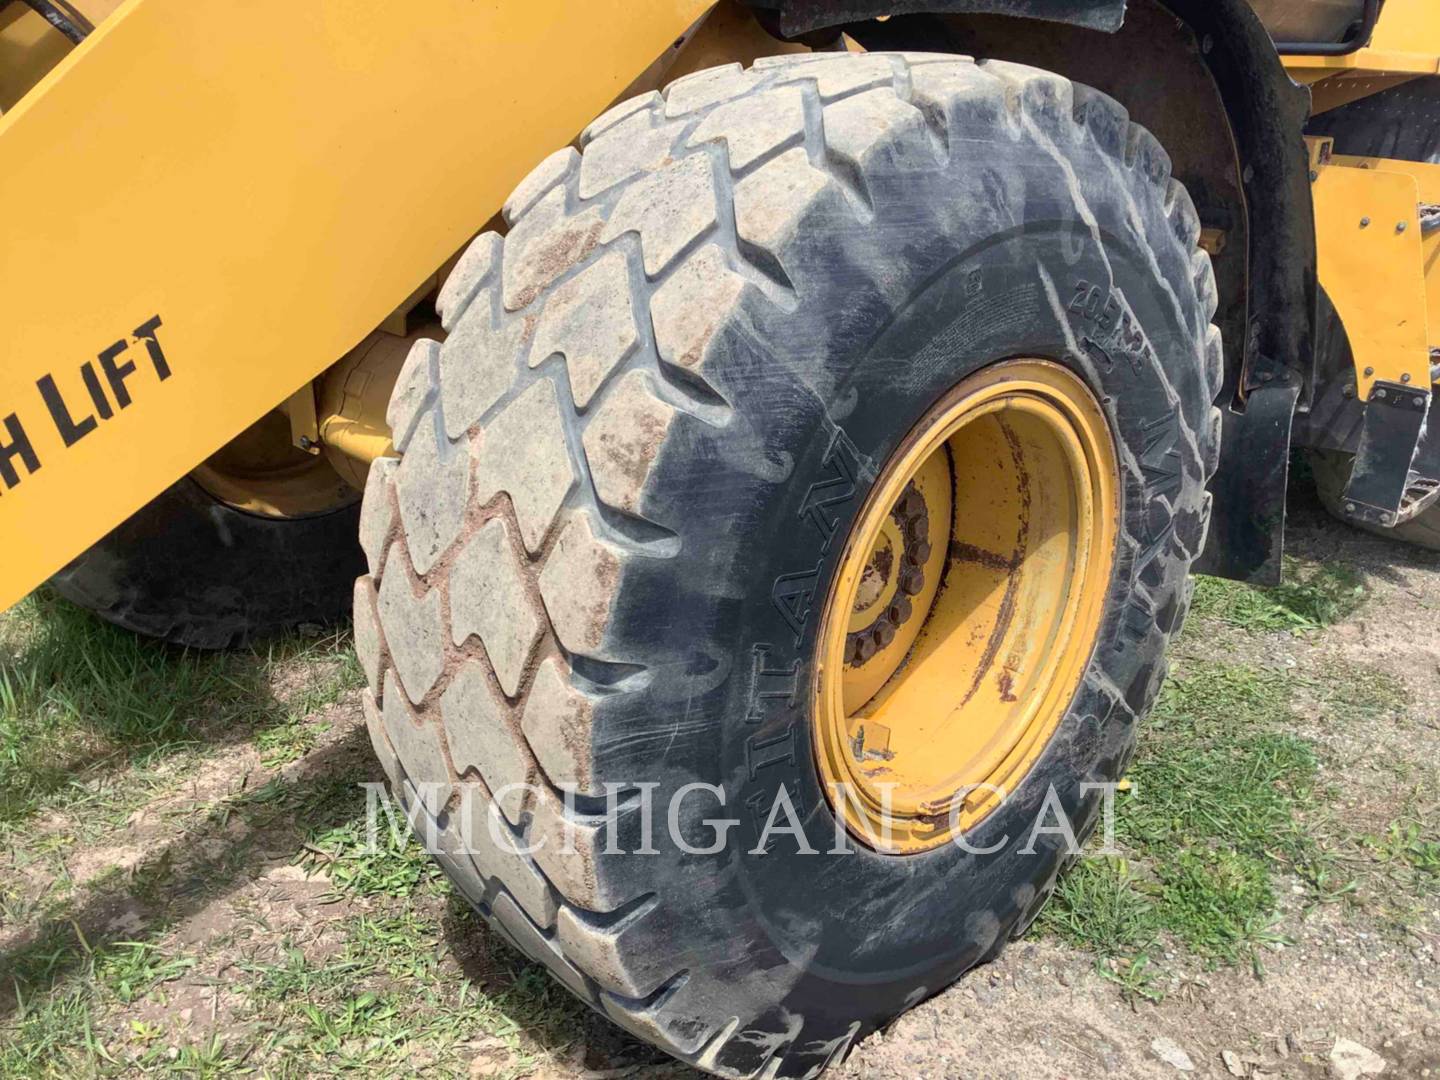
{"x":1114,"y":330}
{"x":74,"y":415}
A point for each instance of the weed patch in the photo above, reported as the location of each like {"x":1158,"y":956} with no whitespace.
{"x":1313,"y":595}
{"x":1213,"y":812}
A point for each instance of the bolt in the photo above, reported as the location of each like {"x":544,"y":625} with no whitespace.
{"x":1405,"y":377}
{"x":306,"y":442}
{"x":1349,"y":508}
{"x":1348,"y":392}
{"x":885,"y":632}
{"x":1364,"y":223}
{"x":1401,"y":226}
{"x":916,"y":528}
{"x":912,"y":581}
{"x":1369,"y":371}
{"x":1385,"y":519}
{"x":899,"y":610}
{"x":920,"y":552}
{"x":1380,"y":393}
{"x":864,"y":649}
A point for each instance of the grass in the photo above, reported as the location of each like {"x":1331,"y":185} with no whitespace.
{"x":1213,"y":816}
{"x":132,"y":969}
{"x":83,"y":702}
{"x":378,"y":990}
{"x":1312,"y":596}
{"x":1227,"y":812}
{"x":354,"y":867}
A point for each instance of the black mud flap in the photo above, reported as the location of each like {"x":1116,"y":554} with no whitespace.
{"x":1247,"y":523}
{"x":1394,"y":424}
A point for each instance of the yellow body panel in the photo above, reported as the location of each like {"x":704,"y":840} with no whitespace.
{"x":1372,"y":263}
{"x":1405,"y":45}
{"x":1427,"y":182}
{"x":231,"y":203}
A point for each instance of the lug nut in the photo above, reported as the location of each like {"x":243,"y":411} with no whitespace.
{"x":899,"y":610}
{"x":919,"y":552}
{"x":884,"y":633}
{"x":912,"y":581}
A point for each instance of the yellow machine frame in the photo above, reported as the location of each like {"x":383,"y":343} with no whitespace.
{"x":381,"y":137}
{"x":1378,"y":269}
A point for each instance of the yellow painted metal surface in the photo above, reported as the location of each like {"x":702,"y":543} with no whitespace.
{"x":1372,"y":263}
{"x":264,"y":473}
{"x":29,"y":47}
{"x":1406,"y":44}
{"x":1427,"y":183}
{"x":206,"y":206}
{"x":1009,"y":488}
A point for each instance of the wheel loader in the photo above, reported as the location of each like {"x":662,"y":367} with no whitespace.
{"x":764,"y":445}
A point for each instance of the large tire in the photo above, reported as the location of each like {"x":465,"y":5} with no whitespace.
{"x":1402,"y":123}
{"x":574,"y":564}
{"x":1331,"y":469}
{"x":194,"y":571}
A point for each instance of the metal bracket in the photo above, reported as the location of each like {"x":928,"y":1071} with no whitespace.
{"x":1247,"y":523}
{"x":304,"y":427}
{"x":1394,"y":422}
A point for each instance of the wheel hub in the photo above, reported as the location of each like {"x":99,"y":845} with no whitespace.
{"x":967,"y":604}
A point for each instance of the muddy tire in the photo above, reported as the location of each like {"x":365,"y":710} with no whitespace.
{"x":1331,"y":469}
{"x":193,"y":571}
{"x":596,"y":562}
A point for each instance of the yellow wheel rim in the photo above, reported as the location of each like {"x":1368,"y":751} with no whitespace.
{"x":968,"y":601}
{"x":262,"y":472}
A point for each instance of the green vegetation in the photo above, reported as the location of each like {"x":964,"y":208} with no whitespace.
{"x":354,"y":867}
{"x":1313,"y":595}
{"x":1214,"y":811}
{"x":1226,"y":812}
{"x":88,"y":711}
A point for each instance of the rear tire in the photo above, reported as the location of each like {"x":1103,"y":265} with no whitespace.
{"x":194,"y":571}
{"x":1332,"y":477}
{"x":663,"y":395}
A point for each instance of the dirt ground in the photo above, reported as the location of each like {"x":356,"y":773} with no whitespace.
{"x":196,"y":911}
